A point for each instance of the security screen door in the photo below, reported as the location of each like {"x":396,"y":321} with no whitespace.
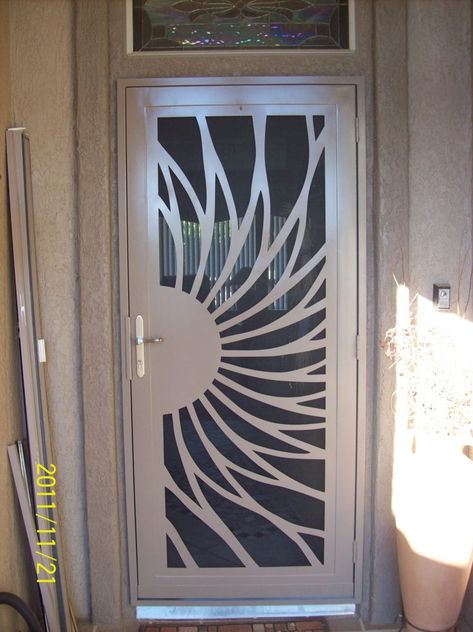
{"x":242,"y":267}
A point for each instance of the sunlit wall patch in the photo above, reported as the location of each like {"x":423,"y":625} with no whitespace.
{"x":240,"y":24}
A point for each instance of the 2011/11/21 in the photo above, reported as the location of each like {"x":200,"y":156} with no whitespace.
{"x":45,"y":481}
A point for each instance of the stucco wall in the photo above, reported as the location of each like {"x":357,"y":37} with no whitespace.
{"x":16,"y":570}
{"x":42,"y":66}
{"x":440,"y":132}
{"x":440,"y":158}
{"x":390,"y":247}
{"x":67,"y":55}
{"x":102,"y":428}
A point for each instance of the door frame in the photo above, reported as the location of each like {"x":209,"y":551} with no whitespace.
{"x":125,"y":328}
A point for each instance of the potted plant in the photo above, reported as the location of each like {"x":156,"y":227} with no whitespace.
{"x":432,"y":353}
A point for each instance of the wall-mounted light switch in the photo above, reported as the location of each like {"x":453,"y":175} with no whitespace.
{"x":442,"y":296}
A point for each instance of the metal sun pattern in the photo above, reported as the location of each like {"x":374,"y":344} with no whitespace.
{"x":245,"y":461}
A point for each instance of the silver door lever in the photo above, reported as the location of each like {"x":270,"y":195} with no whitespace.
{"x":141,"y":341}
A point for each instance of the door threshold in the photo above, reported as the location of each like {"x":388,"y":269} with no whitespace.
{"x":205,"y":613}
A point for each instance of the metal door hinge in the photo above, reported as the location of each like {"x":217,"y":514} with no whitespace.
{"x":355,"y":551}
{"x":357,"y":129}
{"x":357,"y":347}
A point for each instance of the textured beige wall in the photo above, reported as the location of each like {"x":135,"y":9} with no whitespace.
{"x":422,"y":207}
{"x":42,"y":63}
{"x":101,"y":424}
{"x":467,"y":614}
{"x":406,"y":73}
{"x":440,"y":165}
{"x":16,"y":569}
{"x":391,"y":252}
{"x":440,"y":135}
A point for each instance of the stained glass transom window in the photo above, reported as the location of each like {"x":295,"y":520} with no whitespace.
{"x":236,"y":24}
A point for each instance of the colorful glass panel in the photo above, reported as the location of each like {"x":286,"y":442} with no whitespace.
{"x":235,"y":24}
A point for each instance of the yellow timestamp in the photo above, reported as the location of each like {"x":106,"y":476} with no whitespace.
{"x":45,"y":501}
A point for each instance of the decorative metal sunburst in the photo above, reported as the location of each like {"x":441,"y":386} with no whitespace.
{"x":241,"y":387}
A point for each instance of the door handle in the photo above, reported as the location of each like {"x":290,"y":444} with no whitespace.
{"x":140,"y":342}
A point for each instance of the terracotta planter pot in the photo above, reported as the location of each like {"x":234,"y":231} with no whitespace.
{"x":434,"y":521}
